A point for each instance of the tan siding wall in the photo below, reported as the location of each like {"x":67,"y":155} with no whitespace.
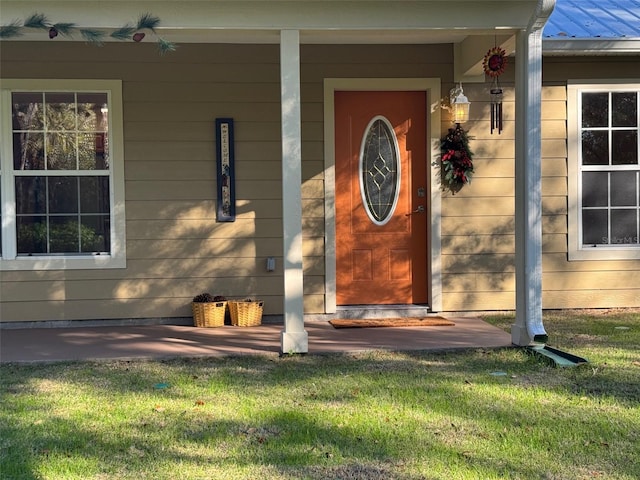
{"x":577,"y":284}
{"x":175,"y":249}
{"x":558,"y":69}
{"x":478,"y":225}
{"x":478,"y":243}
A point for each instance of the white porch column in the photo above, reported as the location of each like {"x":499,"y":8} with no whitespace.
{"x":294,"y":338}
{"x":528,"y":190}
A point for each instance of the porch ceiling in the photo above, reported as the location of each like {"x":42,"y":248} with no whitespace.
{"x":260,"y":21}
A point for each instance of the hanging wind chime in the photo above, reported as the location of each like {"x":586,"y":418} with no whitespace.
{"x":494,"y":64}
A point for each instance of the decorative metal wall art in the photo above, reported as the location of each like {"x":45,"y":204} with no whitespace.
{"x":225,"y":157}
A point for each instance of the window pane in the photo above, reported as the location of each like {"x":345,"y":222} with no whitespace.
{"x":92,"y":111}
{"x":595,"y":189}
{"x":624,"y":149}
{"x":64,"y":235}
{"x":380,"y":172}
{"x":95,"y":234}
{"x":595,"y":147}
{"x":94,"y":195}
{"x":595,"y":109}
{"x":594,"y":227}
{"x":624,"y":109}
{"x":624,"y":226}
{"x":28,"y":151}
{"x":92,"y":151}
{"x":60,"y":111}
{"x":63,"y":194}
{"x":31,"y":195}
{"x":624,"y":188}
{"x":32,"y":235}
{"x":61,"y":151}
{"x":27,"y":111}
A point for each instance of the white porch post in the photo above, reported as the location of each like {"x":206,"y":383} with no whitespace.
{"x":294,"y":338}
{"x":528,"y":190}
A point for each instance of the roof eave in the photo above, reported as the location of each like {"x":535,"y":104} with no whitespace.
{"x":590,"y":46}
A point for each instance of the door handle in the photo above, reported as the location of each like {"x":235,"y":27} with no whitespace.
{"x":419,"y":209}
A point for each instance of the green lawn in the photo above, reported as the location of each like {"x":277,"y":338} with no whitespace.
{"x":482,"y":414}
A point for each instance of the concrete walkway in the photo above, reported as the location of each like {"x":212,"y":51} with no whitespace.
{"x":166,"y":341}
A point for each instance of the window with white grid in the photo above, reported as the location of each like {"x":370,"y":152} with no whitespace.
{"x":61,"y":175}
{"x":604,"y":171}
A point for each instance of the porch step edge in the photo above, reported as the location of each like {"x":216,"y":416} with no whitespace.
{"x":374,"y":311}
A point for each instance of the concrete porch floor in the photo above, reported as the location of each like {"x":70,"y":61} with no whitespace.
{"x":165,"y":341}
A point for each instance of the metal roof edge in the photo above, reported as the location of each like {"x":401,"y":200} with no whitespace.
{"x":589,"y":46}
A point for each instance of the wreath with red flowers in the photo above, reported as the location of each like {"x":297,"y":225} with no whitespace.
{"x":456,"y":161}
{"x":494,"y":62}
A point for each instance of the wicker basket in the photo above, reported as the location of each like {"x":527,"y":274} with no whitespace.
{"x":210,"y":314}
{"x":245,"y":313}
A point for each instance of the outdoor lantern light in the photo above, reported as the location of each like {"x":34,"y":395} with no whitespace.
{"x":459,"y":105}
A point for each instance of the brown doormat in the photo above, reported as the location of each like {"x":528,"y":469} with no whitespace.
{"x":390,"y":322}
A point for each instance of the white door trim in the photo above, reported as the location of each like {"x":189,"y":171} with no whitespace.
{"x":432,"y":88}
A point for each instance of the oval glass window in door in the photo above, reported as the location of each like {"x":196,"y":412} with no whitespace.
{"x":379,"y":170}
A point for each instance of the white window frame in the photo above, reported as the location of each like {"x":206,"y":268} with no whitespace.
{"x":576,"y":250}
{"x":117,"y":256}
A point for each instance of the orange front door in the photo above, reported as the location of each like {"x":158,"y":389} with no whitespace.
{"x":381,"y":197}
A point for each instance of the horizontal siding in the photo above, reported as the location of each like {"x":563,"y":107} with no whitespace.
{"x":209,"y":73}
{"x":478,"y":229}
{"x":608,"y":280}
{"x":477,"y":301}
{"x":480,"y":282}
{"x":477,"y":244}
{"x":127,"y":289}
{"x":490,"y":263}
{"x":459,"y":206}
{"x":557,"y":263}
{"x":485,"y":225}
{"x":554,"y":243}
{"x":175,"y":248}
{"x":478,"y":224}
{"x":490,"y":167}
{"x":554,"y":224}
{"x":580,"y":284}
{"x":314,"y":303}
{"x":559,"y":69}
{"x":164,"y":307}
{"x":595,"y":298}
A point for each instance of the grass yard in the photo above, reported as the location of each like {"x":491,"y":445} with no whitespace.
{"x":483,"y":414}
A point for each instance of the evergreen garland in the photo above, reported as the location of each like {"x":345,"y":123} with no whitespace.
{"x":38,"y":21}
{"x":456,"y":161}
